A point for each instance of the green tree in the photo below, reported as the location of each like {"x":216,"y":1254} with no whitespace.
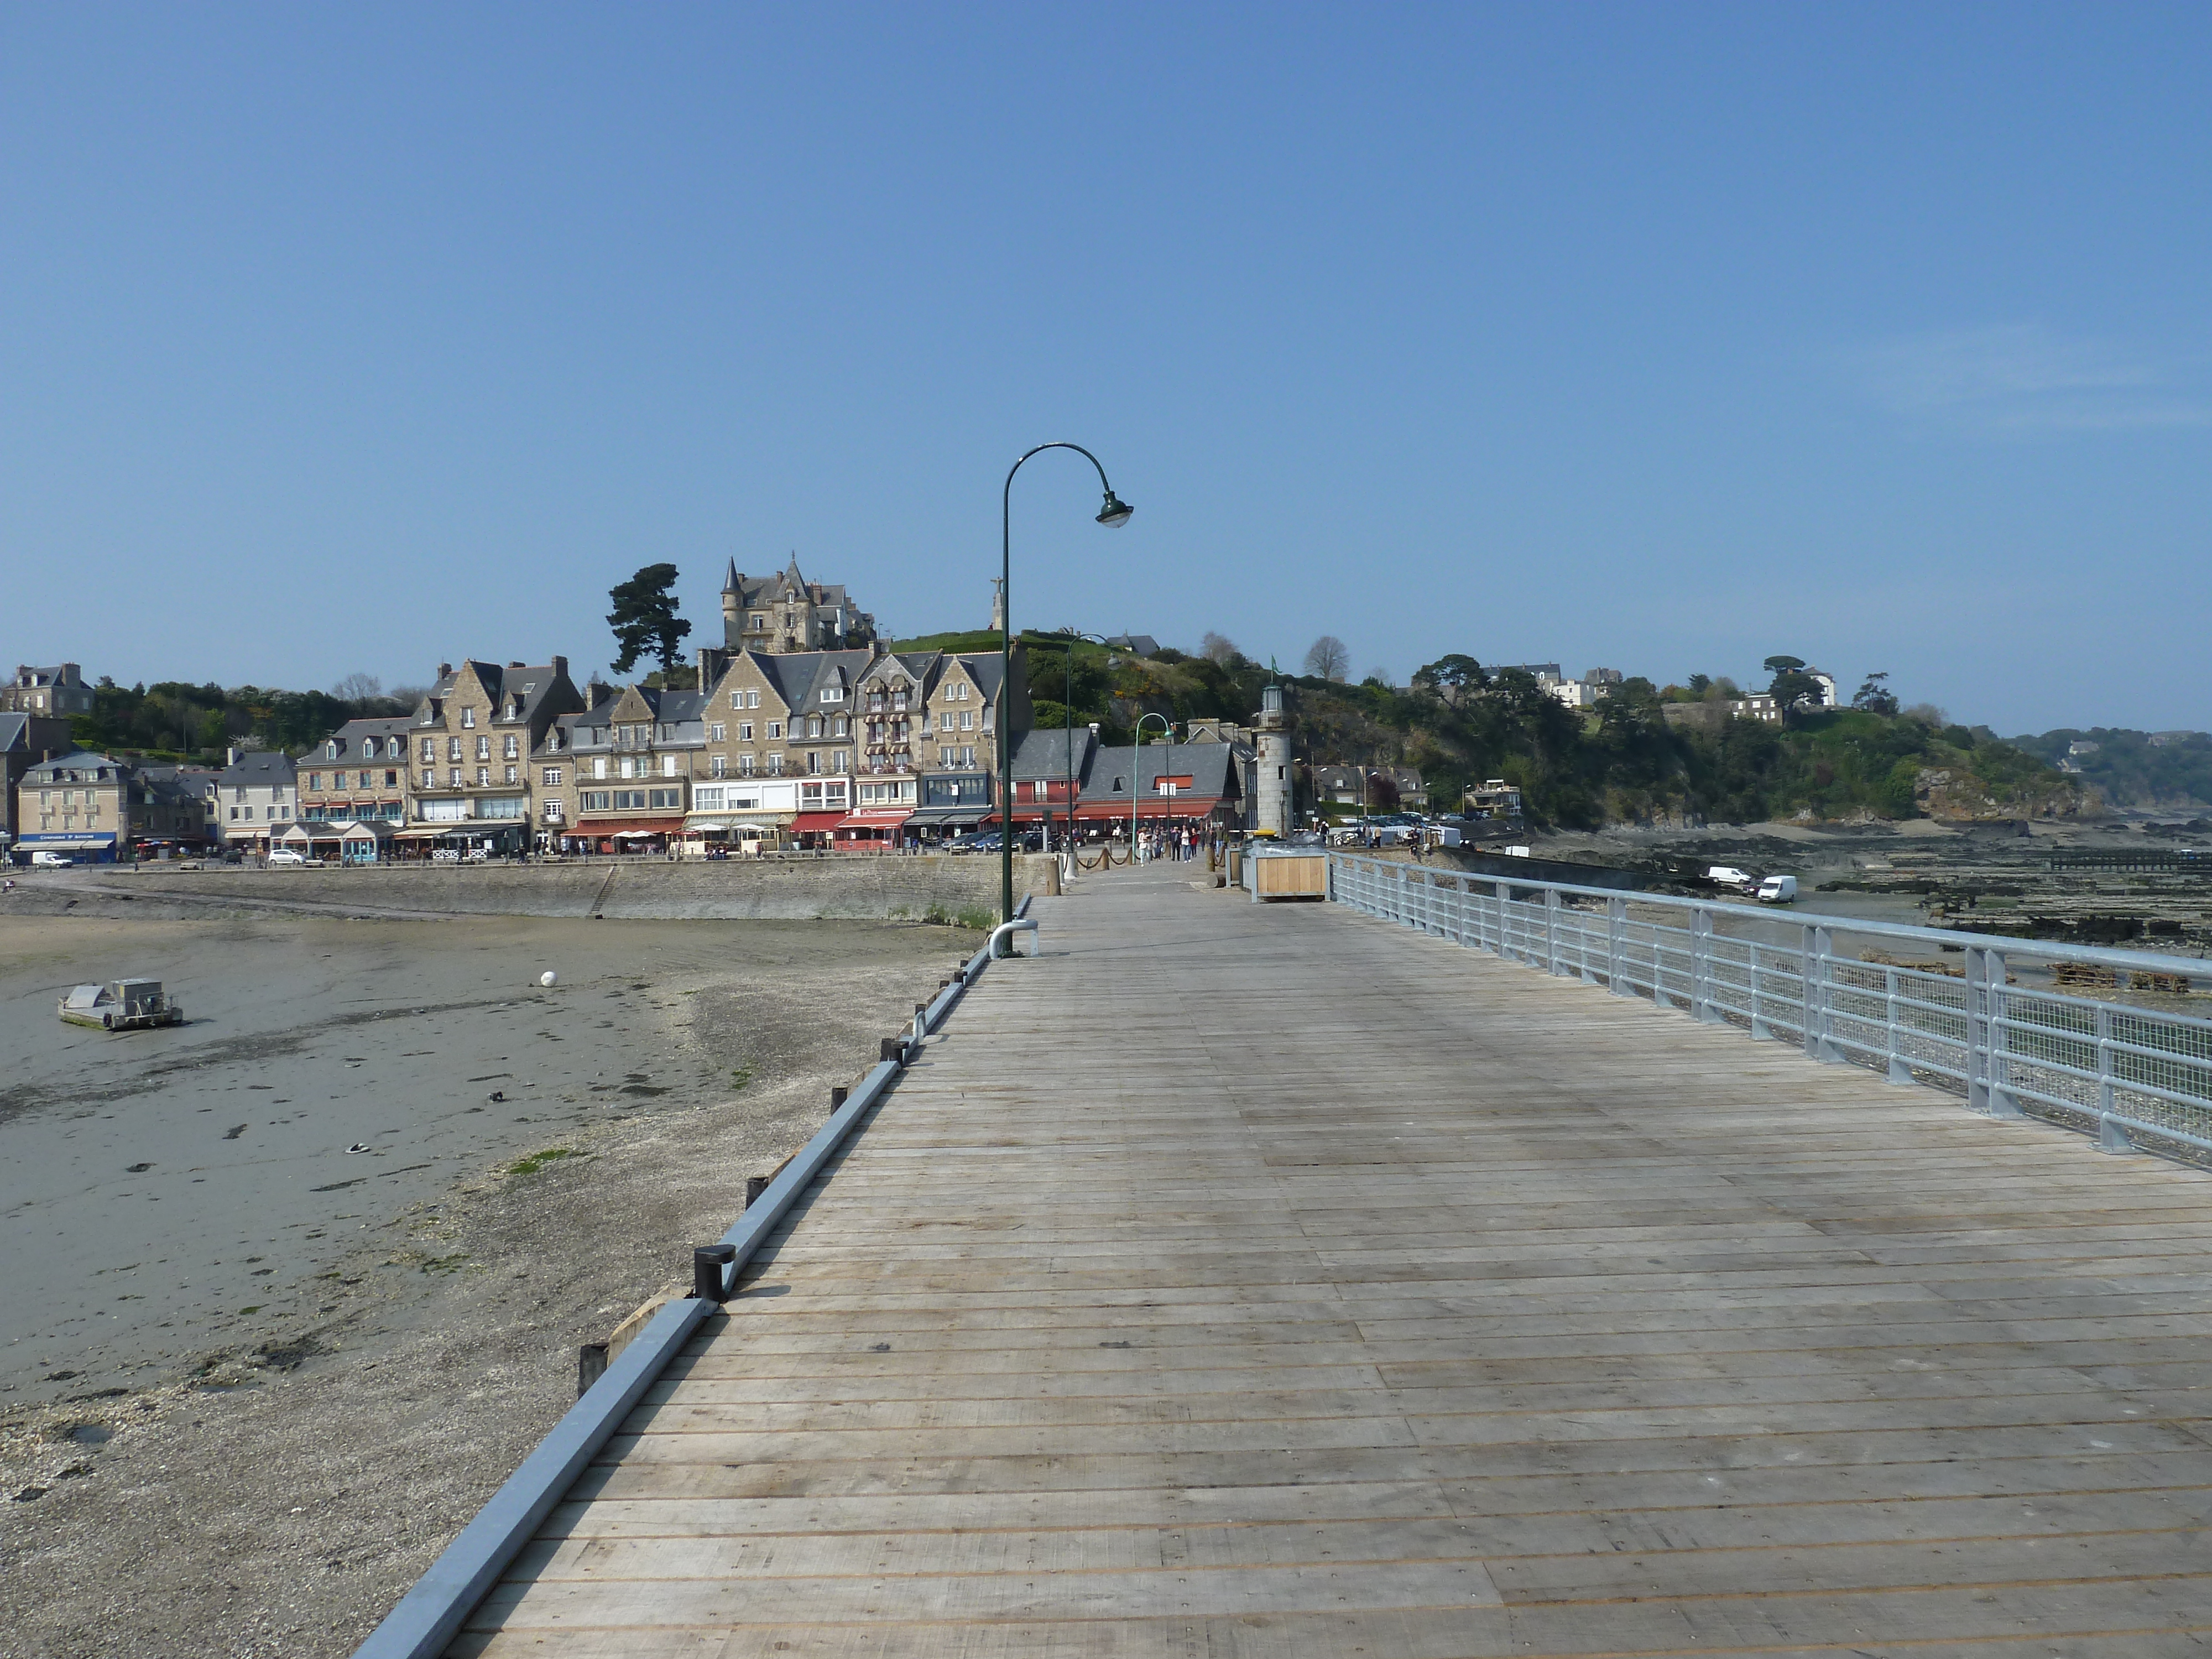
{"x":644,"y":619}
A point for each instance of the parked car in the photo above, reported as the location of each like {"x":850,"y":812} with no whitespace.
{"x":1777,"y":889}
{"x":41,"y":859}
{"x":289,"y":855}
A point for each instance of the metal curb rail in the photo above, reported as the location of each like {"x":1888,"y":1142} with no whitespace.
{"x":428,"y":1617}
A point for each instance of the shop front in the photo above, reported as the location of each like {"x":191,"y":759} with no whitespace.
{"x":871,"y":830}
{"x":621,"y":837}
{"x":85,"y":847}
{"x":814,"y":830}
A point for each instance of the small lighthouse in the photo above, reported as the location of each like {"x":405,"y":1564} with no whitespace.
{"x":1273,"y":791}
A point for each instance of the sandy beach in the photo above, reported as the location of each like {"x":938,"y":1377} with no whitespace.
{"x":293,"y":1286}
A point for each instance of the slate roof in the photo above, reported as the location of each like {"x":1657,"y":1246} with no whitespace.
{"x":14,"y":733}
{"x":79,"y":760}
{"x":261,"y":769}
{"x":800,"y":676}
{"x":787,"y":583}
{"x":531,"y":682}
{"x":1142,"y":645}
{"x":1208,"y":765}
{"x":348,"y":737}
{"x":1043,"y":754}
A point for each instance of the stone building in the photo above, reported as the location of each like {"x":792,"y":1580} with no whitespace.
{"x":58,"y":691}
{"x":783,"y":613}
{"x":96,"y":809}
{"x":471,"y":750}
{"x":359,"y":772}
{"x":25,"y":740}
{"x":617,"y":776}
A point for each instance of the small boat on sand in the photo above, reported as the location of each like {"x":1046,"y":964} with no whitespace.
{"x":121,"y":1005}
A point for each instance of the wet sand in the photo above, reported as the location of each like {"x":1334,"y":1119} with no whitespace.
{"x":204,"y":1283}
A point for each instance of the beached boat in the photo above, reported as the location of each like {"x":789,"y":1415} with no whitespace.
{"x":121,"y":1005}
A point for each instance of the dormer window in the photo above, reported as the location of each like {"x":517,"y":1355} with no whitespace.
{"x":833,"y":693}
{"x":468,"y":717}
{"x":333,"y":752}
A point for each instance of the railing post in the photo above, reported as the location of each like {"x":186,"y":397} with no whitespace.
{"x":1402,"y":918}
{"x":1463,"y":896}
{"x":1986,"y":1090}
{"x":1760,"y":1031}
{"x":1616,"y":946}
{"x":2110,"y":1136}
{"x":1701,"y":967}
{"x":1504,"y":898}
{"x":1893,"y":1047}
{"x":1809,"y":988}
{"x":1551,"y":931}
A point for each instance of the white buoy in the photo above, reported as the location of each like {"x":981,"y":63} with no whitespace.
{"x":548,"y":979}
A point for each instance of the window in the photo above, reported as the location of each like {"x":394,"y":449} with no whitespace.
{"x":745,"y":731}
{"x":332,"y":753}
{"x":552,"y":777}
{"x":468,"y":718}
{"x":453,"y":778}
{"x":595,"y":800}
{"x":776,"y":764}
{"x":813,"y":727}
{"x":315,"y":781}
{"x":986,"y":721}
{"x":718,"y":766}
{"x":665,"y":798}
{"x":390,"y":779}
{"x":752,"y":699}
{"x":599,"y":766}
{"x":966,"y":720}
{"x":745,"y":765}
{"x":627,"y":800}
{"x":483,"y":776}
{"x":841,"y":761}
{"x":775,"y":729}
{"x":452,"y":749}
{"x":759,"y":619}
{"x":718,"y":735}
{"x":813,"y":761}
{"x":967,"y":757}
{"x":706,"y":798}
{"x":368,"y":748}
{"x":508,"y":750}
{"x":833,"y":693}
{"x":512,"y":773}
{"x":552,"y":811}
{"x":429,"y":750}
{"x":429,"y":779}
{"x":668,"y":769}
{"x":628,"y":766}
{"x":841,"y":727}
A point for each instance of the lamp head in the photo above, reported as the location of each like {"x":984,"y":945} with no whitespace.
{"x":1115,"y":512}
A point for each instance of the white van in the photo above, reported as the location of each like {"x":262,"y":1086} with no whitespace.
{"x":1726,"y":875}
{"x":42,"y":859}
{"x":1777,"y":889}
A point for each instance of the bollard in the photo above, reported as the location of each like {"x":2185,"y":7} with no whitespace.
{"x":893,"y":1049}
{"x":708,"y":1263}
{"x":591,"y":1366}
{"x":755,"y":1185}
{"x":838,"y":1095}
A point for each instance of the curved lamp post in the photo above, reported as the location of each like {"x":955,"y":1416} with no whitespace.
{"x":1136,"y":753}
{"x":1113,"y":514}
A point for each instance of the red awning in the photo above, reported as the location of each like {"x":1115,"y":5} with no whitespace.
{"x":813,"y":824}
{"x":877,"y":818}
{"x":1148,"y":806}
{"x":618,"y":826}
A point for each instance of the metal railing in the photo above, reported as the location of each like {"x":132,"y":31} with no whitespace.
{"x":2119,"y":1071}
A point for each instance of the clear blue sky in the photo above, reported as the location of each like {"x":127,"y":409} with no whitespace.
{"x":1663,"y":338}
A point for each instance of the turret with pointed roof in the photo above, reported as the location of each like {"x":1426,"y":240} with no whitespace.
{"x":785,"y":612}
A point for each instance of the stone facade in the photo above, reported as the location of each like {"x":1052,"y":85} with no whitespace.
{"x":472,"y":748}
{"x":258,"y":796}
{"x":58,"y":691}
{"x":785,"y":612}
{"x":358,"y":773}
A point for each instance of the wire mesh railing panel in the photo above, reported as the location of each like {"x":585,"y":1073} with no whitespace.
{"x":2118,"y":1069}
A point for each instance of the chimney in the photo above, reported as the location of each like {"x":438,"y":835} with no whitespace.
{"x":560,"y":668}
{"x":230,"y":756}
{"x":445,"y":669}
{"x":518,"y":665}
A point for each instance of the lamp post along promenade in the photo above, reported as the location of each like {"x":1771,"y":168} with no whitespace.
{"x":1113,"y":513}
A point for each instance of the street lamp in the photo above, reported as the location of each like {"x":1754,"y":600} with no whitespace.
{"x":1136,"y":753}
{"x":1114,"y":513}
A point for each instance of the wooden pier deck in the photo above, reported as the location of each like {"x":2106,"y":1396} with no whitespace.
{"x":1264,"y":1280}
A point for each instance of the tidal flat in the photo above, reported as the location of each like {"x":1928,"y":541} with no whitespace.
{"x":290,"y":1288}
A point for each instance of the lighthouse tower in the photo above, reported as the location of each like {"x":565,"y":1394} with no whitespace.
{"x":1273,"y":790}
